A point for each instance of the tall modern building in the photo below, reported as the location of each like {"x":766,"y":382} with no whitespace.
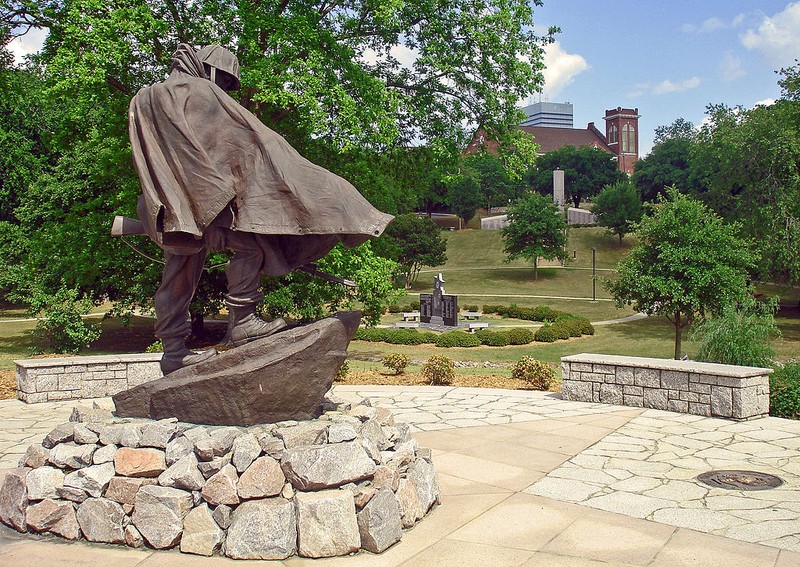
{"x":548,"y":115}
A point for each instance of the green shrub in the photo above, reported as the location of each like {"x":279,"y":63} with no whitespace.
{"x":539,"y":375}
{"x":371,"y":334}
{"x":61,"y":324}
{"x":396,"y":362}
{"x":545,"y":334}
{"x":784,"y":391}
{"x":739,"y":335}
{"x":492,"y":309}
{"x":157,"y":346}
{"x":471,"y":308}
{"x":439,"y":370}
{"x":394,"y":308}
{"x":429,"y":337}
{"x":519,"y":336}
{"x":457,"y":339}
{"x":414,"y":305}
{"x":404,"y":337}
{"x":586,"y":327}
{"x":491,"y":338}
{"x":344,"y":370}
{"x":562,"y":329}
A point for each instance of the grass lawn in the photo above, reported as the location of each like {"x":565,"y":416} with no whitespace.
{"x":475,"y":271}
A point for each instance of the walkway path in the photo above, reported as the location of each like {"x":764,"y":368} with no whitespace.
{"x":531,"y":480}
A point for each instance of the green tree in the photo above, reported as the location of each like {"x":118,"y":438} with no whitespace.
{"x":668,"y":164}
{"x":413,"y":242}
{"x":464,"y":194}
{"x":586,"y":171}
{"x":618,"y":208}
{"x":687,"y":263}
{"x":744,"y":166}
{"x":328,"y":76}
{"x":536,"y":229}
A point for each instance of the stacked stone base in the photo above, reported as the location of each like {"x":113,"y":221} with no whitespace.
{"x":350,"y":480}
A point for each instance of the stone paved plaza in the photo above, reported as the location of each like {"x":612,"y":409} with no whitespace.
{"x":529,"y":479}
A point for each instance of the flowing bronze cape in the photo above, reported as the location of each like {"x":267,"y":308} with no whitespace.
{"x":196,"y":151}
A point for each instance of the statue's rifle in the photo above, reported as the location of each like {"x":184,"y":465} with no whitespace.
{"x":124,"y":226}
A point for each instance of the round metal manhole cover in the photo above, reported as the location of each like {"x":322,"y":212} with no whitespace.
{"x":740,"y":480}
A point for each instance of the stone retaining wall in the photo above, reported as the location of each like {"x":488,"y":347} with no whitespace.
{"x":719,"y":390}
{"x":81,"y":377}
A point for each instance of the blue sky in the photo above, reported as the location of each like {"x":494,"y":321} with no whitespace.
{"x":669,"y":59}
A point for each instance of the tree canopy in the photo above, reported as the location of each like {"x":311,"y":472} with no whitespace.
{"x":536,"y":229}
{"x":586,"y":171}
{"x":688,"y":262}
{"x":668,"y":163}
{"x":352,"y":86}
{"x":618,"y":208}
{"x":413,"y":242}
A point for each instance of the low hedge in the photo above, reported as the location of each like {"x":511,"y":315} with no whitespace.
{"x":519,"y":336}
{"x":457,"y":339}
{"x":546,"y":334}
{"x":492,"y":338}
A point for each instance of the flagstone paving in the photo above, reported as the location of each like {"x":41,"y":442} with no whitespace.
{"x":529,"y":479}
{"x":648,"y":468}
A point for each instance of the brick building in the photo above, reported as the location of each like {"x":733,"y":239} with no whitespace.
{"x":621,"y":138}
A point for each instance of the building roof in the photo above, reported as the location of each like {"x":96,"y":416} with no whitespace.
{"x":551,"y":139}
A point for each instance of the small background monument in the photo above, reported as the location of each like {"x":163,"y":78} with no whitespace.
{"x":437,"y":308}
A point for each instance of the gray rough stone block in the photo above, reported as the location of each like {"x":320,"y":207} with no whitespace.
{"x":624,"y":375}
{"x":379,"y":522}
{"x":69,"y":382}
{"x":262,"y":529}
{"x":14,"y":498}
{"x":26,"y":380}
{"x":53,"y":516}
{"x":633,"y":401}
{"x":577,"y":391}
{"x":611,"y":394}
{"x":721,"y":401}
{"x":603,"y":369}
{"x":46,"y":382}
{"x":647,"y":377}
{"x":201,"y":534}
{"x":102,"y":520}
{"x":655,"y":398}
{"x":700,"y":409}
{"x":141,"y":372}
{"x":326,"y":466}
{"x":326,"y":523}
{"x":158,"y":514}
{"x":678,"y":406}
{"x":674,"y":380}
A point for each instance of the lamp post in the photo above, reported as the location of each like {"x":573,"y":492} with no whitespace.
{"x":594,"y":279}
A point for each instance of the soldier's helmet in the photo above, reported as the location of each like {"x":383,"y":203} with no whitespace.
{"x":222,"y":66}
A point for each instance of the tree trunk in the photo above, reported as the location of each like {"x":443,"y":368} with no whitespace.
{"x":678,"y":335}
{"x":536,"y":269}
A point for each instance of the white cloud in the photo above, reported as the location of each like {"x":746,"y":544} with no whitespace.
{"x":404,"y":55}
{"x":665,"y":87}
{"x":777,"y":39}
{"x":713,"y":24}
{"x":561,"y":68}
{"x":765,"y":102}
{"x":731,"y":67}
{"x":27,"y":44}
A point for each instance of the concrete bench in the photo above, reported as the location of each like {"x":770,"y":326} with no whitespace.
{"x":472,"y":327}
{"x":701,"y":388}
{"x":471,"y":315}
{"x":406,"y":325}
{"x":412,"y":316}
{"x":81,"y":377}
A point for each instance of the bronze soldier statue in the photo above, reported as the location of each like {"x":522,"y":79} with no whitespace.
{"x":214,"y":177}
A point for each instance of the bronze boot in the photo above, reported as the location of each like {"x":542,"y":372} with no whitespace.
{"x":177,"y":356}
{"x":244,"y":326}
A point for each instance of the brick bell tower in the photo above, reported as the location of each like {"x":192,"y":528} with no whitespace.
{"x":622,"y":133}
